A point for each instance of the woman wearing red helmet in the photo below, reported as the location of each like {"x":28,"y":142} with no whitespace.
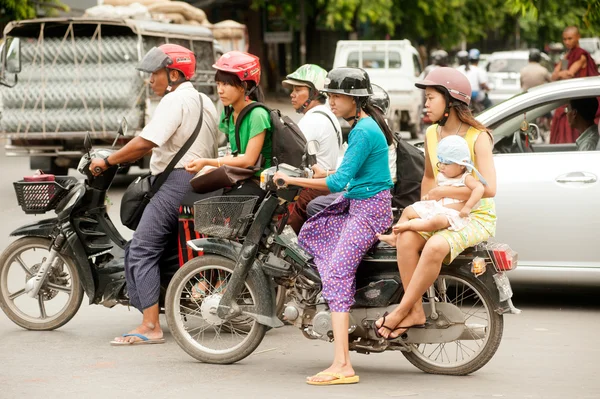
{"x":238,"y":78}
{"x":173,"y":122}
{"x":420,"y":254}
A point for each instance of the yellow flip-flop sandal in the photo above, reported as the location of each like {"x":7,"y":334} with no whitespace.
{"x":339,"y":379}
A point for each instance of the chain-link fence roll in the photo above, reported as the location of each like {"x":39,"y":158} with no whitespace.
{"x":69,"y":120}
{"x":91,"y":94}
{"x":70,"y":73}
{"x":110,"y":48}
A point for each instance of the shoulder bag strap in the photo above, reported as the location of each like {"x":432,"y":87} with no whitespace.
{"x":238,"y":123}
{"x":339,"y":138}
{"x":163,"y":176}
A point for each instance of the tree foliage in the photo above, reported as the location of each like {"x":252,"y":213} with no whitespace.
{"x":28,"y":9}
{"x":447,"y":23}
{"x":543,"y":21}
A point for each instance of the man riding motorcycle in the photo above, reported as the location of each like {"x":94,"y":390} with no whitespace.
{"x":171,"y":67}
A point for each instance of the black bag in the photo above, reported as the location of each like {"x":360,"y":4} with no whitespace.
{"x":289,"y":143}
{"x":410,"y":167}
{"x":141,"y":190}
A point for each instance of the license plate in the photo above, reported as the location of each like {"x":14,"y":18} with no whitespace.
{"x":509,"y":81}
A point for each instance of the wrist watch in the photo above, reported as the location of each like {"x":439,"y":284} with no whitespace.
{"x":106,"y":163}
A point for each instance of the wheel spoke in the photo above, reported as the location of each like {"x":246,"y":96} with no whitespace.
{"x":23,"y":266}
{"x":476,"y":338}
{"x":42,"y":306}
{"x":17,"y":294}
{"x":57,"y":287}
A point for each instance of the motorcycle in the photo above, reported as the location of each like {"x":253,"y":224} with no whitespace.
{"x":464,"y":306}
{"x":78,"y":251}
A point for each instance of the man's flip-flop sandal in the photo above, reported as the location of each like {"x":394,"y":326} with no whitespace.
{"x":143,"y":340}
{"x":200,"y":293}
{"x":339,"y":379}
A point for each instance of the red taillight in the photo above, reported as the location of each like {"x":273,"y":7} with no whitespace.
{"x":505,"y":259}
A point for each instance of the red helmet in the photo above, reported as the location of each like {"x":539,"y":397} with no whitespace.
{"x":453,"y":81}
{"x":171,"y":56}
{"x":245,"y":66}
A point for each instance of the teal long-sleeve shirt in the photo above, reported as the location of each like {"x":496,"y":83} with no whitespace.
{"x":365,"y":166}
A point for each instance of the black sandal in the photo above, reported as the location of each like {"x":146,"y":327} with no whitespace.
{"x":390,"y":338}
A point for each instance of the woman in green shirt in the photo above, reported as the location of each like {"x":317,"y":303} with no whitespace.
{"x":238,"y":76}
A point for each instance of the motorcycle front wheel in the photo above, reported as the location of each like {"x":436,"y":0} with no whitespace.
{"x":192,"y":298}
{"x":59,"y":297}
{"x":482,"y":334}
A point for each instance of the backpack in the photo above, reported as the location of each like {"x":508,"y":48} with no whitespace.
{"x":410,"y":167}
{"x":289,"y":143}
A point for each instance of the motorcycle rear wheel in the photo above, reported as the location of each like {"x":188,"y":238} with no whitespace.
{"x":184,"y":313}
{"x":14,"y":262}
{"x":470,"y":295}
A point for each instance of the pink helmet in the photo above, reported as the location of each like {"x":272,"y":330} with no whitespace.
{"x":245,"y":66}
{"x":453,"y":81}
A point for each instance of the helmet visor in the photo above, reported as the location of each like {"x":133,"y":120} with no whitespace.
{"x":154,"y":60}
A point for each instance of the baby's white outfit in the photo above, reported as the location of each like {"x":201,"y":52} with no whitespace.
{"x":428,"y":209}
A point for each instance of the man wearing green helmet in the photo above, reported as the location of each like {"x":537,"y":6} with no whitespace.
{"x":318,"y":123}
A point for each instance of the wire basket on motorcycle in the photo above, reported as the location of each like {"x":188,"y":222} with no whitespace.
{"x":225,"y":216}
{"x":37,"y":197}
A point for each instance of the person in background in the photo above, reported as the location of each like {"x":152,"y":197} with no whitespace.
{"x":581,"y":114}
{"x":534,"y":74}
{"x":576,"y":63}
{"x":318,"y":124}
{"x":477,"y":78}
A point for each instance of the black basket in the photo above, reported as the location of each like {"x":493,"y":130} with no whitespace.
{"x":42,"y":196}
{"x":224,"y":217}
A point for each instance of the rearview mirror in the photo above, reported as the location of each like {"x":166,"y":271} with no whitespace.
{"x":312,"y":147}
{"x":87,"y":143}
{"x":11,"y":55}
{"x":123,"y":127}
{"x":10,"y":58}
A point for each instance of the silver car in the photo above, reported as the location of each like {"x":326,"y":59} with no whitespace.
{"x":504,"y":73}
{"x":548,"y":195}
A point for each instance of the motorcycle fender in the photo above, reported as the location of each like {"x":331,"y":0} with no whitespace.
{"x":488,"y":281}
{"x":42,"y":228}
{"x":231,"y":249}
{"x":74,"y":249}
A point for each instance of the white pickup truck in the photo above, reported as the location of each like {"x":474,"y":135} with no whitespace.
{"x":394,"y":65}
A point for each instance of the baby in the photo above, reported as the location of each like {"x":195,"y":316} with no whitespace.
{"x":455,"y":170}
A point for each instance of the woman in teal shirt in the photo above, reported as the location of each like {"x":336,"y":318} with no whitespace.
{"x":339,"y":236}
{"x":237,"y":77}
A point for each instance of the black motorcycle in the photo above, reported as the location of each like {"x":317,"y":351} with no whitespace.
{"x":249,"y":250}
{"x":44,"y":273}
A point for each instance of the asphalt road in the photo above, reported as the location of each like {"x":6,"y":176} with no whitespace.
{"x":549,"y":351}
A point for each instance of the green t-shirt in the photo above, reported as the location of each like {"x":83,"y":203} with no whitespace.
{"x":254,"y":123}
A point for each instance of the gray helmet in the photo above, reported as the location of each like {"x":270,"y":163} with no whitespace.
{"x":439,"y":57}
{"x":349,"y":81}
{"x":380,"y":98}
{"x":462,"y":57}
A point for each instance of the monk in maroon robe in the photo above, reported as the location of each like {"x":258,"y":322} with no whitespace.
{"x":577,"y":63}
